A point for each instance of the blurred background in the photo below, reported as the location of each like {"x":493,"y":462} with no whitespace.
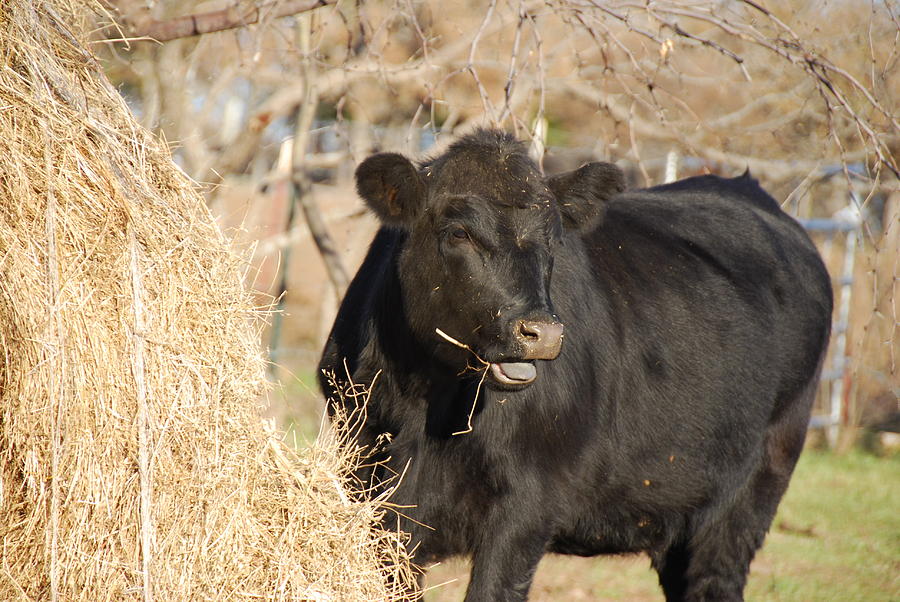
{"x":270,"y":105}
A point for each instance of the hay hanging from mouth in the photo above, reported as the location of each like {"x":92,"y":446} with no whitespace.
{"x":133,"y":462}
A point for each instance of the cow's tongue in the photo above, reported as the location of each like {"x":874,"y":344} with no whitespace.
{"x":514,"y":372}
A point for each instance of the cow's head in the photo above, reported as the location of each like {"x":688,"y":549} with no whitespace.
{"x":483,"y":225}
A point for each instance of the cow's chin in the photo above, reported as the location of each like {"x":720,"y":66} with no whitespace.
{"x":512,"y":375}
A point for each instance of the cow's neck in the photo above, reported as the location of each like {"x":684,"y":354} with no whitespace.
{"x":409,"y":372}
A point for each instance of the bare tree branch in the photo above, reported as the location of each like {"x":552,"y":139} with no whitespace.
{"x":777,"y":170}
{"x":803,"y":94}
{"x":302,"y":187}
{"x":816,"y":65}
{"x":236,"y":15}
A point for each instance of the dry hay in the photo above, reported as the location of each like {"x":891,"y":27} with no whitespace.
{"x":133,"y":463}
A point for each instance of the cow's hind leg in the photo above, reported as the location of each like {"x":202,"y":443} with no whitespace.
{"x":712,"y":561}
{"x":712,"y":564}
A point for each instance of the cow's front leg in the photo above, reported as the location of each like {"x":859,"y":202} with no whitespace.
{"x":506,"y":558}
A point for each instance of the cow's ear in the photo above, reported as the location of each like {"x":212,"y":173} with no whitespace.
{"x":390,"y":185}
{"x":582,"y":194}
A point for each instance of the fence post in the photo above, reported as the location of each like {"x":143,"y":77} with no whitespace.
{"x":848,"y":222}
{"x":839,"y":355}
{"x":672,"y":161}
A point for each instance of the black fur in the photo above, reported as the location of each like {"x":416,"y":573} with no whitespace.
{"x":696,"y":317}
{"x":390,"y":186}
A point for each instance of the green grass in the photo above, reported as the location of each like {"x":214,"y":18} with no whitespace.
{"x":837,"y":534}
{"x":297,"y":407}
{"x":836,"y":537}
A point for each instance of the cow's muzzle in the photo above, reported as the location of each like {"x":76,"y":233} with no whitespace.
{"x":539,"y":340}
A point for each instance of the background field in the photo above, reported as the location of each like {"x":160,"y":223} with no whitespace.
{"x":271,"y":116}
{"x":836,"y":537}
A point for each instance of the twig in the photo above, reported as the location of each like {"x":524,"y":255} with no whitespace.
{"x":511,"y":74}
{"x":636,"y":149}
{"x":146,"y":482}
{"x":236,"y":15}
{"x":56,"y":373}
{"x":301,"y":186}
{"x":335,"y":82}
{"x":470,"y":65}
{"x":816,"y":66}
{"x":542,"y":88}
{"x":484,"y":372}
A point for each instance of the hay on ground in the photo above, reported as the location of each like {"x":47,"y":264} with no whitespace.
{"x":133,"y":463}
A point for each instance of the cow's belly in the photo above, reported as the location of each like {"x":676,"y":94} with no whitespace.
{"x":614,"y":534}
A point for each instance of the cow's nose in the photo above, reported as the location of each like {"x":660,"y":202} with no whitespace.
{"x":539,"y":340}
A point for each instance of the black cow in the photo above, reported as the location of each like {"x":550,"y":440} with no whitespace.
{"x":666,"y":418}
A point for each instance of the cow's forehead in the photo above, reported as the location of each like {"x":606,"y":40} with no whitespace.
{"x":516,"y":212}
{"x":503,"y":179}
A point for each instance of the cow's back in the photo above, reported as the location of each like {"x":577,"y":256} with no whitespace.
{"x":725,"y":247}
{"x":712,"y":269}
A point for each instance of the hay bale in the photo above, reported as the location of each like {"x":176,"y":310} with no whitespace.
{"x":133,"y":463}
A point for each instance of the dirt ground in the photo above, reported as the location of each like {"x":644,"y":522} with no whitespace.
{"x":836,"y":538}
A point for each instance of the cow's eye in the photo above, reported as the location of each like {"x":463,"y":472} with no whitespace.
{"x":460,"y":234}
